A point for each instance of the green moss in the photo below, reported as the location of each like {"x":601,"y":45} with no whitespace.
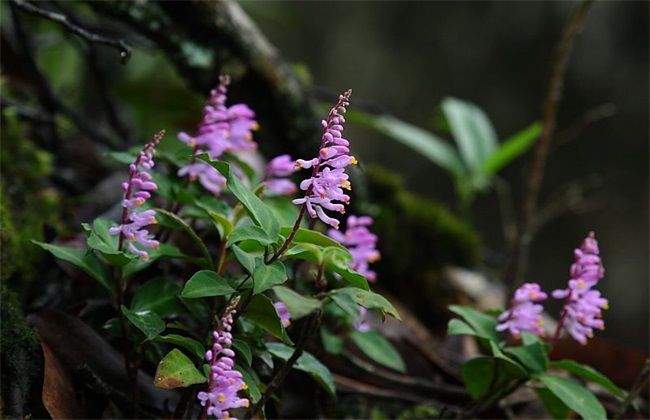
{"x":417,"y":238}
{"x":21,"y":358}
{"x":27,"y":204}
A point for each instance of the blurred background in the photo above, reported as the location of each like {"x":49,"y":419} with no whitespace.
{"x":404,"y":58}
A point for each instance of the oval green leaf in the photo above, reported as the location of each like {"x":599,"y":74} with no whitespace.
{"x":206,"y":283}
{"x":575,"y":396}
{"x":306,"y":363}
{"x":176,"y":370}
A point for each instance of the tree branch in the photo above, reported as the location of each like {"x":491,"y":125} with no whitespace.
{"x":121,"y":45}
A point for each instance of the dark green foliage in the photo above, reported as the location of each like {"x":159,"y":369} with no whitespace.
{"x":417,"y":238}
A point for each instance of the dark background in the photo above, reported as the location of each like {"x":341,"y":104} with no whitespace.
{"x":407,"y":56}
{"x":404,"y":57}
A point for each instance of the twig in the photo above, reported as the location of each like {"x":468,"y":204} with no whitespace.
{"x":121,"y":45}
{"x":48,"y":99}
{"x":639,"y":383}
{"x":540,"y":152}
{"x":310,"y":326}
{"x":406,"y":380}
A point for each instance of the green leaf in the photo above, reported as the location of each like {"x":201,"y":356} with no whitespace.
{"x":555,"y":407}
{"x":590,"y":374}
{"x":355,"y":279}
{"x":483,"y":325}
{"x":285,"y":211}
{"x":242,"y":350}
{"x":258,"y":211}
{"x":375,"y":346}
{"x":267,"y":276}
{"x":472,"y":131}
{"x":107,"y":245}
{"x":148,"y":322}
{"x":306,"y":363}
{"x":222,"y":223}
{"x":164,"y":250}
{"x":88,"y":262}
{"x":122,"y":157}
{"x":458,"y":327}
{"x":575,"y":396}
{"x":251,"y":380}
{"x":533,"y":356}
{"x":422,"y":141}
{"x":511,"y":148}
{"x":369,"y":300}
{"x":483,"y":375}
{"x":171,"y":220}
{"x":181,"y":341}
{"x":332,"y":344}
{"x":298,"y":305}
{"x":262,"y":313}
{"x":304,"y":251}
{"x":246,"y":260}
{"x":176,"y":370}
{"x":254,"y":233}
{"x":206,"y":283}
{"x":159,"y":296}
{"x":311,"y":237}
{"x":346,"y":304}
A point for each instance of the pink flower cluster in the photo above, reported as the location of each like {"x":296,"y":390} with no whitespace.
{"x":225,"y":382}
{"x":274,"y":175}
{"x":325,"y":187}
{"x":524,"y":314}
{"x":222,"y":129}
{"x":583,"y":306}
{"x":361,"y":243}
{"x":136,"y":192}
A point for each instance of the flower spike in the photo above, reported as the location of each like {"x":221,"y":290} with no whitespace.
{"x":225,"y":382}
{"x":524,"y":314}
{"x":222,"y":129}
{"x":324,"y":190}
{"x":136,"y":192}
{"x":583,"y":306}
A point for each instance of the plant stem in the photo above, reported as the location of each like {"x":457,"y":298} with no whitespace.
{"x":289,"y":239}
{"x":309,"y":327}
{"x":540,"y":152}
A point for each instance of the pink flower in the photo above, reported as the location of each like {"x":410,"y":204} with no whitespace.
{"x":278,"y":168}
{"x":583,"y":306}
{"x":328,"y":178}
{"x":136,"y":192}
{"x":225,"y":382}
{"x":524,"y":314}
{"x":361,"y":243}
{"x":283,"y":313}
{"x":222,"y":129}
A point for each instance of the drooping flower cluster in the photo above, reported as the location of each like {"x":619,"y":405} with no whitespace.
{"x":361,"y":243}
{"x":283,"y":313}
{"x":274,"y":175}
{"x":583,"y":306}
{"x":136,"y":192}
{"x":225,"y":382}
{"x":524,"y":313}
{"x":222,"y":129}
{"x":324,"y":190}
